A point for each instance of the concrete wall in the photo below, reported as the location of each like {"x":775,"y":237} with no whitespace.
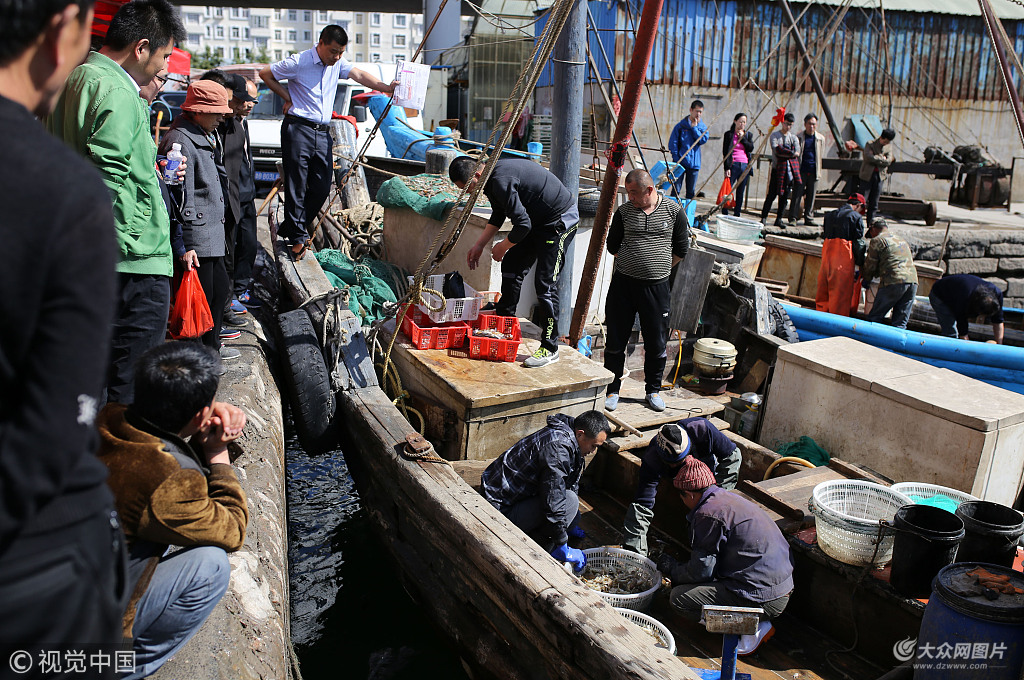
{"x":247,"y":635}
{"x":919,"y":122}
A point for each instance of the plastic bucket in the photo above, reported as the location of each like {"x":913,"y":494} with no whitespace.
{"x":926,"y":541}
{"x":992,"y":533}
{"x":965,"y":635}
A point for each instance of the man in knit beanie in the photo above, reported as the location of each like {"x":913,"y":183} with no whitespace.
{"x":739,"y":557}
{"x":662,"y":458}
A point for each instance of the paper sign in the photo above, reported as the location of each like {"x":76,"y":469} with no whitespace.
{"x":412,"y":85}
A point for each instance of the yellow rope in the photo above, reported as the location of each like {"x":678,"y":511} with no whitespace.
{"x":786,"y":459}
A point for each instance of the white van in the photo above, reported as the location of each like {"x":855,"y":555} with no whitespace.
{"x":265,"y":120}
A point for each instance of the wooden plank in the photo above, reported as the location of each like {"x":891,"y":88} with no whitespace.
{"x":769,"y":499}
{"x":755,"y":377}
{"x":689,"y":288}
{"x":354,"y":353}
{"x":854,"y":471}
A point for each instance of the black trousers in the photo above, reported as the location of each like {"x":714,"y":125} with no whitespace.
{"x":245,"y":248}
{"x":872,"y":191}
{"x":545,"y":247}
{"x":628,"y":297}
{"x":804,"y":190}
{"x":775,"y":191}
{"x":307,"y":177}
{"x":143,"y":305}
{"x":213,"y":275}
{"x":64,"y":590}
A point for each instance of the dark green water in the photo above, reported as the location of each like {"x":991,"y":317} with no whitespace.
{"x":351,"y":618}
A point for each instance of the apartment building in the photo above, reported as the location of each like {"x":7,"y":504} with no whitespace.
{"x":243,"y":35}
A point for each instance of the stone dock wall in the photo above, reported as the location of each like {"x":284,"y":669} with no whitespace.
{"x":996,"y":255}
{"x":247,"y":635}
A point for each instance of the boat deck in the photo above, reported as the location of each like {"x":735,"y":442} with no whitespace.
{"x":796,"y":651}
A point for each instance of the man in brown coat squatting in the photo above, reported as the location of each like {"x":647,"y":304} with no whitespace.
{"x":174,"y":486}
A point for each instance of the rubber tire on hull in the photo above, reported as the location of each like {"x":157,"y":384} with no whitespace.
{"x":587,"y":201}
{"x":784,"y":327}
{"x":308,"y":383}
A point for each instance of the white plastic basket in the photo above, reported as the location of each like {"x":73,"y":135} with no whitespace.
{"x":605,"y":559}
{"x":455,"y":309}
{"x":847,"y":514}
{"x":738,"y":229}
{"x":925,"y":490}
{"x":653,"y":626}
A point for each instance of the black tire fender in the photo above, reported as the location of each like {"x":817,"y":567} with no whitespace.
{"x":784,"y":327}
{"x":307,"y":382}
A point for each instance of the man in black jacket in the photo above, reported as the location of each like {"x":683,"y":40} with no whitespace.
{"x":544,"y":216}
{"x":61,"y":547}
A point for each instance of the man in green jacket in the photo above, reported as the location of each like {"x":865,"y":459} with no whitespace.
{"x":101,"y":115}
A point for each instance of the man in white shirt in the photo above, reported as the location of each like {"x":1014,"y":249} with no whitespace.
{"x":312,"y":78}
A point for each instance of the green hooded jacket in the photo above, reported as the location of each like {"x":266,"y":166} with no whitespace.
{"x":101,"y":116}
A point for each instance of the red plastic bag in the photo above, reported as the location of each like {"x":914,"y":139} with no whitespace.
{"x":190,"y":316}
{"x":725,"y":197}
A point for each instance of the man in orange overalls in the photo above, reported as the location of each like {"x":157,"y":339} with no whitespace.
{"x":836,"y":276}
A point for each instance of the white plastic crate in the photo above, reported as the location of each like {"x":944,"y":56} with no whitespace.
{"x":455,"y":309}
{"x":606,"y":559}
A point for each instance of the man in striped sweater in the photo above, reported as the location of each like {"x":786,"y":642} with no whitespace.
{"x":649,"y":235}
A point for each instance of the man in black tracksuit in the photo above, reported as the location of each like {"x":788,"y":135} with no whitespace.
{"x":649,"y":235}
{"x":544,"y":216}
{"x":61,"y":547}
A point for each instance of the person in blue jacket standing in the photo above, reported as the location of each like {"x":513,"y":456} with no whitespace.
{"x":687,"y":137}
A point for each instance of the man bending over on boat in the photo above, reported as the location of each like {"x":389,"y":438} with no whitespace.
{"x":739,"y":557}
{"x":958,"y":298}
{"x":692,"y":437}
{"x":544,"y":216}
{"x":649,"y":235}
{"x":536,"y":482}
{"x":173,"y":484}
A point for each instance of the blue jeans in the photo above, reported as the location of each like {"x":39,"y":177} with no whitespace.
{"x":185,"y":588}
{"x":899,"y":298}
{"x":872,"y":190}
{"x":530,"y":514}
{"x":735,"y":170}
{"x":947,"y":320}
{"x":691,"y":181}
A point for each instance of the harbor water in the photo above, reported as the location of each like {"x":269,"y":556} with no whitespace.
{"x":350,"y":616}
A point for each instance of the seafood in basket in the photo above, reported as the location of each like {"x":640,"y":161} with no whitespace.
{"x":617,"y":579}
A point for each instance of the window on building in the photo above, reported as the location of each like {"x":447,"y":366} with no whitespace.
{"x":359,"y":38}
{"x":375,"y":39}
{"x":277,"y":55}
{"x":398,"y":20}
{"x":277,"y":34}
{"x":277,"y":14}
{"x":398,"y":41}
{"x":375,"y":19}
{"x":307,"y":36}
{"x":360,"y":56}
{"x":375,"y":56}
{"x":307,"y":16}
{"x":245,"y":32}
{"x":220,"y":31}
{"x":323,"y":16}
{"x":209,"y":31}
{"x":248,"y":54}
{"x":194,"y":39}
{"x":261,"y":43}
{"x":192,"y":17}
{"x":245,"y":12}
{"x":234,"y":33}
{"x":220,"y":52}
{"x":218,"y":12}
{"x":236,"y":54}
{"x":359,"y":18}
{"x":261,"y":21}
{"x":235,"y":12}
{"x":292,"y":15}
{"x":209,"y":11}
{"x":398,"y":57}
{"x":291,"y":36}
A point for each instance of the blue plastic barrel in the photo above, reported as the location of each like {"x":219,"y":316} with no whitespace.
{"x":968,"y":631}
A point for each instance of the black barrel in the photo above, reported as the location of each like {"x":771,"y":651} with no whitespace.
{"x":926,"y":541}
{"x":992,"y":533}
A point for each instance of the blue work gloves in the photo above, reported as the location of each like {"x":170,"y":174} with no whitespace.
{"x":576,"y":531}
{"x":576,"y":558}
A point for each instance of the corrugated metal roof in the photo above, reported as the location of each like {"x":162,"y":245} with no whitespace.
{"x":1004,"y":9}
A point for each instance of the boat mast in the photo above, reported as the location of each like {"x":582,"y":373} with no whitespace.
{"x":645,"y":34}
{"x":990,"y":19}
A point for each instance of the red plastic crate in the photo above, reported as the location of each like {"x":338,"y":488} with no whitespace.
{"x":434,"y":337}
{"x":492,"y":349}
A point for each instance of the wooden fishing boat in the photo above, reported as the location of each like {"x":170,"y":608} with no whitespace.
{"x":511,"y":610}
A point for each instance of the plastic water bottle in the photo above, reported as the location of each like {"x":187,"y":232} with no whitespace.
{"x":748,"y":421}
{"x":174,"y":158}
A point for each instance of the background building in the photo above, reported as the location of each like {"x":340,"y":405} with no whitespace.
{"x":231,"y":35}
